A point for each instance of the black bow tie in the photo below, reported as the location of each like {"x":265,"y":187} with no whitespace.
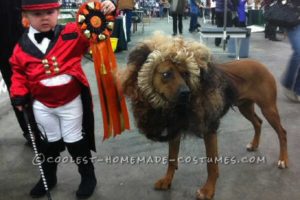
{"x":40,"y":36}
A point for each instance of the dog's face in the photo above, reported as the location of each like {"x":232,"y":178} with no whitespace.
{"x":170,"y":81}
{"x":164,"y":71}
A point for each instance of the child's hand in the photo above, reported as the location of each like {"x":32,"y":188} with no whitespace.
{"x":108,"y":7}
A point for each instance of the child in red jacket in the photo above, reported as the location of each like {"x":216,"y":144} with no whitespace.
{"x":47,"y":73}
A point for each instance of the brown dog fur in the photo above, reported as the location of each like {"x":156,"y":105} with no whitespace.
{"x":175,"y":87}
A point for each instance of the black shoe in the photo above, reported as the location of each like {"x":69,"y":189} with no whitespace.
{"x":39,"y":189}
{"x":80,"y":150}
{"x":87,"y":186}
{"x":174,"y":34}
{"x":49,"y":150}
{"x":274,"y":39}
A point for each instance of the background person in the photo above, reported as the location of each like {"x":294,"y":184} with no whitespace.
{"x":241,"y":14}
{"x":291,"y":77}
{"x":270,"y":29}
{"x":177,"y":11}
{"x":11,"y":31}
{"x":220,"y":7}
{"x":126,"y":6}
{"x":194,"y":13}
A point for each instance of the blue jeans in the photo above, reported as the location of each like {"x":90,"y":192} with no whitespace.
{"x":291,"y":77}
{"x":193,"y":22}
{"x":128,"y":14}
{"x":161,"y":11}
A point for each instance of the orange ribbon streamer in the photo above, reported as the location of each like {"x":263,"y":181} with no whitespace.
{"x":112,"y":101}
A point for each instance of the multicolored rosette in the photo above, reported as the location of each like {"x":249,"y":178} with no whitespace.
{"x":97,"y":27}
{"x":93,"y":23}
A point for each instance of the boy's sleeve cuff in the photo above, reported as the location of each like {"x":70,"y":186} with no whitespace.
{"x":20,"y":100}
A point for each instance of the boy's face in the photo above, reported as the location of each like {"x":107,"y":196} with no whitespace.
{"x":43,"y":20}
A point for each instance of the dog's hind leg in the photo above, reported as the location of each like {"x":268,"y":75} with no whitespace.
{"x":211,"y":146}
{"x":165,"y":182}
{"x":248,"y":111}
{"x":271,"y":114}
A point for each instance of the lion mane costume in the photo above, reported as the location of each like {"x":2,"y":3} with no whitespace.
{"x":156,"y":117}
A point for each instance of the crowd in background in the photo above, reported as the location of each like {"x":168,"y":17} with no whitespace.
{"x":209,"y":10}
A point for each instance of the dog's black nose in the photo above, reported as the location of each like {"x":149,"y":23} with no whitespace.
{"x":183,"y":94}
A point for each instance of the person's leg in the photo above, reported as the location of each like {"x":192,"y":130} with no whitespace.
{"x":71,"y":116}
{"x":229,"y":20}
{"x":174,"y":16}
{"x":272,"y":33}
{"x":213,"y":16}
{"x":165,"y":11}
{"x":128,"y":23}
{"x":49,"y":147}
{"x":219,"y":23}
{"x":160,"y":12}
{"x":193,"y":22}
{"x":180,"y":24}
{"x":291,"y":77}
{"x":6,"y":75}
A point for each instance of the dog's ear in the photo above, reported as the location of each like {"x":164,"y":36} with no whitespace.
{"x":139,"y":55}
{"x":207,"y":76}
{"x":204,"y":72}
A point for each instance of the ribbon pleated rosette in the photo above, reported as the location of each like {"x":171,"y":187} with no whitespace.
{"x":97,"y":27}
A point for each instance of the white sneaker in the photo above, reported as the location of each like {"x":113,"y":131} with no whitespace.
{"x":291,"y":95}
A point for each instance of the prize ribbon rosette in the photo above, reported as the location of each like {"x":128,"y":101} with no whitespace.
{"x":97,"y":27}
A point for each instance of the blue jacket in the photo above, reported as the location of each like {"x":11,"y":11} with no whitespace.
{"x":194,"y":9}
{"x":241,"y":10}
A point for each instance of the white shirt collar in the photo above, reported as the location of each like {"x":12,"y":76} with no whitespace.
{"x":41,"y":46}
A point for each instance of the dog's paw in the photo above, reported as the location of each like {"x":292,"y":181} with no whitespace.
{"x":204,"y":194}
{"x":163,"y":184}
{"x":282,"y":164}
{"x":251,"y":147}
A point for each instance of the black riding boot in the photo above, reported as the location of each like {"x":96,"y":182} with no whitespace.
{"x":50,"y":151}
{"x":82,"y":157}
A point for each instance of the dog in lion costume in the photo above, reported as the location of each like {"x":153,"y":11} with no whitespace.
{"x":174,"y":87}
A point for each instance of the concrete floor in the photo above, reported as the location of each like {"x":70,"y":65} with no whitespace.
{"x":127,"y":180}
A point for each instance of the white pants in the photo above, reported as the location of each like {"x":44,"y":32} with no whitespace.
{"x":61,"y":122}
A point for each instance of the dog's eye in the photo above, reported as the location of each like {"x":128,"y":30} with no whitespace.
{"x":185,"y":75}
{"x":167,"y":75}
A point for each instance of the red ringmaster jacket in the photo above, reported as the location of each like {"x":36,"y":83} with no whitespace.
{"x":63,"y":56}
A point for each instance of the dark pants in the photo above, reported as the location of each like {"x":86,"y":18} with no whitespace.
{"x":177,"y":19}
{"x":270,"y":31}
{"x":213,"y":15}
{"x":6,"y":74}
{"x":220,"y":23}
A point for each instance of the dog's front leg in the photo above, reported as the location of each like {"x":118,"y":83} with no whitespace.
{"x":211,"y":146}
{"x":165,"y":182}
